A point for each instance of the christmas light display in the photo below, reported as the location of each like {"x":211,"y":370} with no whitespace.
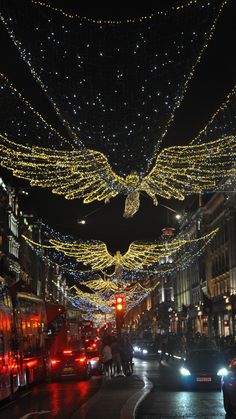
{"x":165,"y":12}
{"x":20,"y":119}
{"x":133,"y":294}
{"x":73,"y":168}
{"x":221,"y":122}
{"x":140,"y":255}
{"x":102,"y":286}
{"x":134,"y":285}
{"x":178,"y":171}
{"x":123,"y":109}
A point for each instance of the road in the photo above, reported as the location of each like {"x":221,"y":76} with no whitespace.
{"x":58,"y":400}
{"x":168,"y":400}
{"x":67,"y":399}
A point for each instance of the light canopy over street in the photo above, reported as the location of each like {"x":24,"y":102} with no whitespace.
{"x":117,"y":209}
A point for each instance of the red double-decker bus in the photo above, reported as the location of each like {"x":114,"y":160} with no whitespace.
{"x":8,"y":363}
{"x":30,"y":334}
{"x":23,"y":355}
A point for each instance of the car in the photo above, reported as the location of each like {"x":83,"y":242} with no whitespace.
{"x":203,"y":368}
{"x":229,"y":388}
{"x":95,"y":361}
{"x":229,"y":353}
{"x":145,"y":349}
{"x":70,"y":363}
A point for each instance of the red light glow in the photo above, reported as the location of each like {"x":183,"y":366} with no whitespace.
{"x":55,"y":361}
{"x":80,"y":359}
{"x":119,"y":300}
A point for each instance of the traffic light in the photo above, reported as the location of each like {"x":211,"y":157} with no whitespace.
{"x":119,"y":312}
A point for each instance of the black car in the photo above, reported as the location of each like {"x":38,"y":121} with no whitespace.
{"x":229,"y":353}
{"x":145,"y":349}
{"x":70,"y":363}
{"x":229,"y":388}
{"x":203,"y":368}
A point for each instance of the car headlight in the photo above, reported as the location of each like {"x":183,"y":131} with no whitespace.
{"x":145,"y":351}
{"x":184,"y":371}
{"x":136,"y":348}
{"x":223,"y":372}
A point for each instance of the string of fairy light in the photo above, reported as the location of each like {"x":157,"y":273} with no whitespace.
{"x":222,"y":121}
{"x":178,"y":171}
{"x":55,"y":36}
{"x":139,"y":255}
{"x":108,"y":184}
{"x":225,"y":113}
{"x":103,"y":289}
{"x":29,"y":125}
{"x":131,"y":20}
{"x":188,"y":79}
{"x":133,"y":294}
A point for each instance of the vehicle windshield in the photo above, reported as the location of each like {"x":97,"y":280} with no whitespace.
{"x":204,"y":358}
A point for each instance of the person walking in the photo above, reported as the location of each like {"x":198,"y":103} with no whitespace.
{"x":163,"y":347}
{"x":127,"y":356}
{"x":116,"y":359}
{"x":106,"y":358}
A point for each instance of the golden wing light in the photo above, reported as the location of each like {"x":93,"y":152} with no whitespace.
{"x":141,"y":255}
{"x":185,"y":170}
{"x":94,"y":254}
{"x":102,"y":286}
{"x":82,"y":174}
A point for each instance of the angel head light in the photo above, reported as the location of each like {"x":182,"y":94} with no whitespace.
{"x":132,"y":179}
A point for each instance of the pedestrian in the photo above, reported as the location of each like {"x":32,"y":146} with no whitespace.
{"x":106,"y":358}
{"x":130,"y":354}
{"x":126,"y":356}
{"x":163,"y":346}
{"x":116,"y":359}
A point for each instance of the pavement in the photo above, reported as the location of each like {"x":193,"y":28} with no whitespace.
{"x":118,"y":398}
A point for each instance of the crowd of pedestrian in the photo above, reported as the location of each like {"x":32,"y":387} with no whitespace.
{"x":116,"y":352}
{"x":116,"y":355}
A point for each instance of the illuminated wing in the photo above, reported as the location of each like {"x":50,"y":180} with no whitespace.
{"x":82,"y":174}
{"x":184,"y":170}
{"x":141,"y":255}
{"x":102,"y":286}
{"x":90,"y":253}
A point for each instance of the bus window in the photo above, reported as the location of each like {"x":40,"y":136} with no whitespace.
{"x":30,"y":324}
{"x":1,"y":345}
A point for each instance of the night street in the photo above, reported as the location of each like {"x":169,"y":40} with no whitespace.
{"x":117,"y":209}
{"x":60,"y":400}
{"x":166,"y":398}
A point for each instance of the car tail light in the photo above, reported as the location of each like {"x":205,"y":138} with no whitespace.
{"x":67,"y":352}
{"x":55,"y":361}
{"x":82,"y":359}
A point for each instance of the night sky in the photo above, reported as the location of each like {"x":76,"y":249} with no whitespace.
{"x":214,"y":78}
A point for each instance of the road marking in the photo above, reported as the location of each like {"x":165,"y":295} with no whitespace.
{"x":42,"y":412}
{"x":131,"y":405}
{"x":25,"y":394}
